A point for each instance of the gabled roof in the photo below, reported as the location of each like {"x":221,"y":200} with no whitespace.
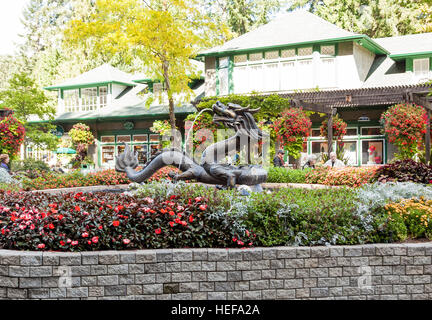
{"x":402,"y":46}
{"x":99,"y":76}
{"x":295,"y":28}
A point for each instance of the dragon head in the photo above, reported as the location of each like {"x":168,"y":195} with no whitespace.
{"x":236,"y":117}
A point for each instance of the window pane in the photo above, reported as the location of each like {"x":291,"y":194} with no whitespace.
{"x":140,"y":138}
{"x":271,"y":77}
{"x":305,"y":74}
{"x":371,"y":131}
{"x":123,"y":139}
{"x":288,"y":76}
{"x":88,"y":99}
{"x":305,"y":51}
{"x":154,"y":148}
{"x":103,"y":94}
{"x":351,"y":132}
{"x":223,"y":81}
{"x":269,"y":55}
{"x":421,"y":67}
{"x":223,"y":62}
{"x":71,"y":100}
{"x":107,"y":154}
{"x":240,"y":59}
{"x":142,"y":153}
{"x":318,"y":148}
{"x":350,"y":152}
{"x":241,"y":80}
{"x":107,"y":139}
{"x":328,"y":73}
{"x":316,"y":133}
{"x":255,"y":56}
{"x":372,"y":152}
{"x":256,"y":78}
{"x":154,"y":138}
{"x":288,"y":53}
{"x":328,"y":50}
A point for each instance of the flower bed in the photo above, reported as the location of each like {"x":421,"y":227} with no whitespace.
{"x":347,"y":176}
{"x":101,"y":221}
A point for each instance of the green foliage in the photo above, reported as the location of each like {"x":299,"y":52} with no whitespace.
{"x":242,"y":15}
{"x":270,"y":106}
{"x":144,"y":30}
{"x":300,"y":217}
{"x":26,"y":99}
{"x":375,"y":18}
{"x":284,"y":175}
{"x":29,"y":167}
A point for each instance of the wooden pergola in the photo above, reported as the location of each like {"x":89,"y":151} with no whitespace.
{"x":328,"y":102}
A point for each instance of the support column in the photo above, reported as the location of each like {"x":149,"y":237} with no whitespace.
{"x":428,"y":138}
{"x":330,"y":133}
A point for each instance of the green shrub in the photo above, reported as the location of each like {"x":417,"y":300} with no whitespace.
{"x":30,"y":168}
{"x":284,"y":175}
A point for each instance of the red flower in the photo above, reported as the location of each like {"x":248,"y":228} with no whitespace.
{"x":116,"y":223}
{"x":62,"y":243}
{"x":95,"y":239}
{"x":171,"y":223}
{"x":74,"y":243}
{"x":77,"y":208}
{"x":203,"y":207}
{"x":126,"y":241}
{"x":191,"y":219}
{"x":158,"y":231}
{"x":85,"y":235}
{"x":51,"y":226}
{"x":41,"y":246}
{"x":60,"y":216}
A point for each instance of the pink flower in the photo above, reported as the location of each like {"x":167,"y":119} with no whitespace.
{"x":41,"y":246}
{"x":95,"y":239}
{"x":126,"y":241}
{"x":85,"y":235}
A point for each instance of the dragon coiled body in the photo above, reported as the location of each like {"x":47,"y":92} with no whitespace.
{"x":209,"y":171}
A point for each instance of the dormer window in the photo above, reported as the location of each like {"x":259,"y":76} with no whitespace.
{"x":421,"y":68}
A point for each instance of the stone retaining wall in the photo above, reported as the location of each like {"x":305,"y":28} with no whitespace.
{"x":394,"y":271}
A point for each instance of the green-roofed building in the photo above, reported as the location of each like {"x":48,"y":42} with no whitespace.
{"x":114,"y":104}
{"x":300,"y":52}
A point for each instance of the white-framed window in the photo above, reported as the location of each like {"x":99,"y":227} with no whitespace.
{"x":288,"y":76}
{"x":241,"y":79}
{"x":89,"y":99}
{"x":305,"y":74}
{"x":71,"y":100}
{"x":327,"y":73}
{"x":223,"y":75}
{"x":271,"y":77}
{"x":256,"y":77}
{"x":103,"y":96}
{"x":223,"y":81}
{"x":421,"y":68}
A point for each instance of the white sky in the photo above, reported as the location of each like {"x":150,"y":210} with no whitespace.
{"x":10,"y":24}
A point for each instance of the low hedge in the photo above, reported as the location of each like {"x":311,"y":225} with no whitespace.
{"x":347,"y":176}
{"x":284,"y":175}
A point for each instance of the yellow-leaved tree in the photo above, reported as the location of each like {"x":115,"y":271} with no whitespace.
{"x":163,"y":34}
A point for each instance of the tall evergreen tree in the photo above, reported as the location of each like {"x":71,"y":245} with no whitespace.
{"x":242,"y":16}
{"x":375,"y":18}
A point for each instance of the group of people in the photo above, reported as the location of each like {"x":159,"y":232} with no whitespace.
{"x":333,"y":162}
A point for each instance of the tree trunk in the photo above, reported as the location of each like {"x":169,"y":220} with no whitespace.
{"x":170,"y":98}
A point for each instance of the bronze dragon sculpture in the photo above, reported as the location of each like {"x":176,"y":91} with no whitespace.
{"x":209,"y":170}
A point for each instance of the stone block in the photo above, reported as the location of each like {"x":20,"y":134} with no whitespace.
{"x":285,"y":294}
{"x":109,"y":257}
{"x":182,"y":255}
{"x":170,"y":288}
{"x":218,"y":276}
{"x":82,"y":292}
{"x":25,"y":283}
{"x":118,"y":269}
{"x":30,"y":258}
{"x":145,"y":278}
{"x":89,"y":258}
{"x":224,"y":286}
{"x":146,"y":256}
{"x":108,"y":280}
{"x":120,"y":290}
{"x":128,"y":257}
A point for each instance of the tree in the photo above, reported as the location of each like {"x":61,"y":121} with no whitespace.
{"x":27,"y":101}
{"x":242,"y":15}
{"x":375,"y":18}
{"x":163,"y":34}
